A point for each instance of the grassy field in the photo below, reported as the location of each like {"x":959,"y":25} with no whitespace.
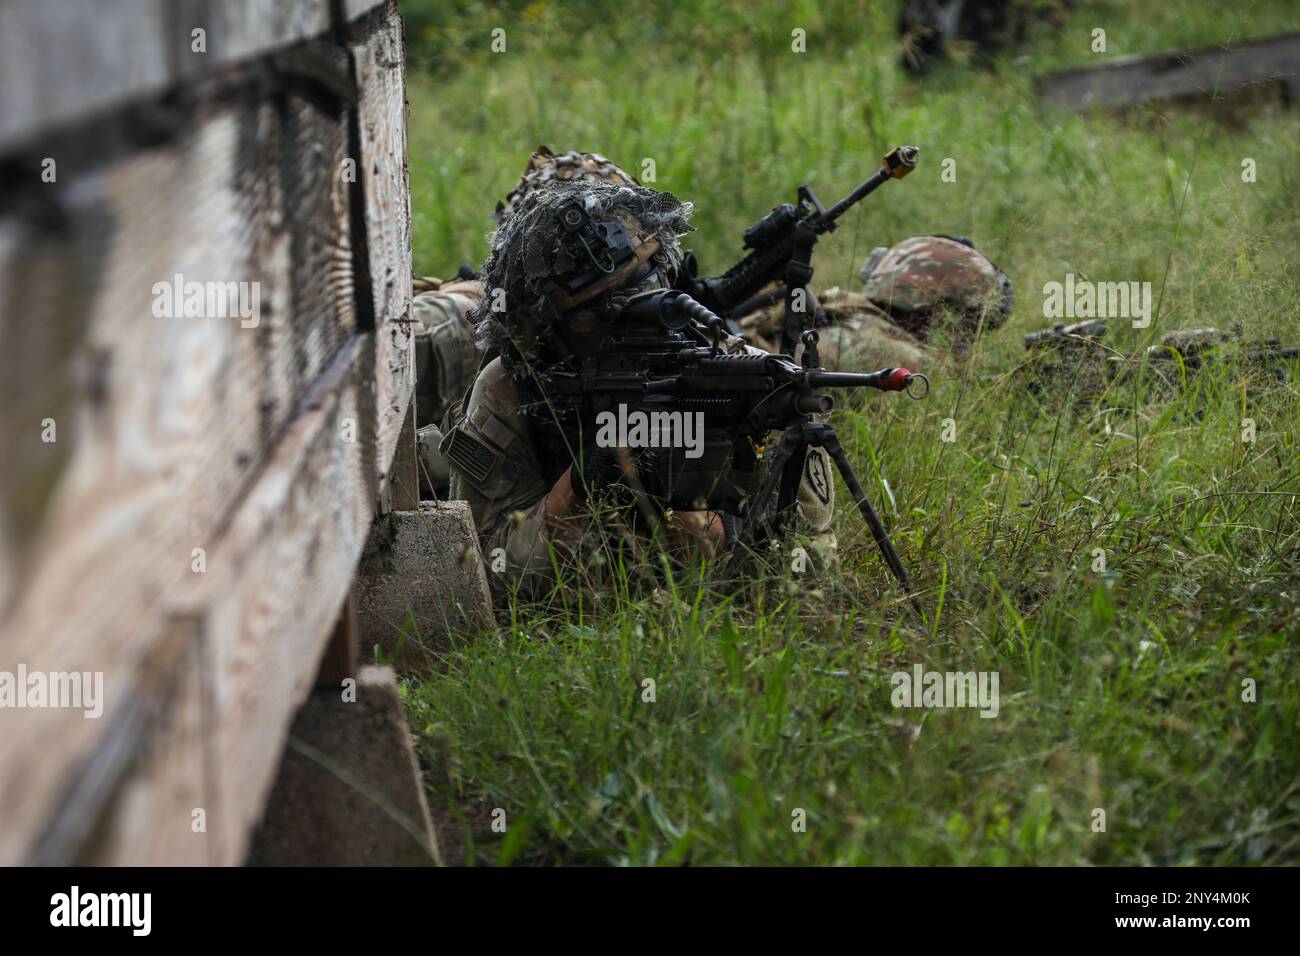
{"x":1122,"y":689}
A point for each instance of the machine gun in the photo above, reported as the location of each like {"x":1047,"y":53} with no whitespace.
{"x":660,"y":360}
{"x":781,"y":245}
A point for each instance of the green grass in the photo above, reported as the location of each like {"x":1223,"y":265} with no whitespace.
{"x":1119,"y":690}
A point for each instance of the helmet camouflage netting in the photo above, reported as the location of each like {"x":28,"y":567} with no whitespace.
{"x":532,"y":248}
{"x":546,"y":168}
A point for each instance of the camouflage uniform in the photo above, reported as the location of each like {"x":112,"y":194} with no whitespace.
{"x":859,"y":334}
{"x":505,"y":476}
{"x":501,"y":463}
{"x":446,"y":357}
{"x":446,"y":361}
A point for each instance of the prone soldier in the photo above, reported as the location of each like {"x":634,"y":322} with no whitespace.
{"x":536,"y":481}
{"x":446,"y":357}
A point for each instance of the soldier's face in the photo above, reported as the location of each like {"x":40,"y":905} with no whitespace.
{"x":581,"y":328}
{"x":651,"y":281}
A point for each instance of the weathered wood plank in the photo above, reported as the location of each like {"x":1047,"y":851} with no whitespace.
{"x":154,"y":734}
{"x":158,"y":815}
{"x":377,"y":48}
{"x":404,"y":482}
{"x":275,"y":586}
{"x":1136,"y":79}
{"x":161,"y":421}
{"x":117,"y":519}
{"x":209,"y":471}
{"x":100,"y":54}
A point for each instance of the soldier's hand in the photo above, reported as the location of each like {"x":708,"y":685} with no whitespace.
{"x":600,"y":468}
{"x":561,"y":500}
{"x":701,"y":531}
{"x":595,"y":469}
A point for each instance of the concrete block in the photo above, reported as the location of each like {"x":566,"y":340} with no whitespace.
{"x":348,"y":791}
{"x":420,"y":580}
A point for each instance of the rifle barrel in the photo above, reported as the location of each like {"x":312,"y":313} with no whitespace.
{"x":868,"y":186}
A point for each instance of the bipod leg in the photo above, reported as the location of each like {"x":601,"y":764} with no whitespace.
{"x":831,"y":442}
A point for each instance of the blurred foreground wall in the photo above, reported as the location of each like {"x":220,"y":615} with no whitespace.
{"x":204,"y":373}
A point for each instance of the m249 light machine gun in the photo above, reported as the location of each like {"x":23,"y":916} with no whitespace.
{"x":662,"y":357}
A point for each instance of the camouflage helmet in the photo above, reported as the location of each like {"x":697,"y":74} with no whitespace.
{"x":565,"y":246}
{"x":923,"y":276}
{"x":546,"y":167}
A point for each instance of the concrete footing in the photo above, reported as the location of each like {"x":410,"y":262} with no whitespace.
{"x":421,"y":579}
{"x":349,"y":791}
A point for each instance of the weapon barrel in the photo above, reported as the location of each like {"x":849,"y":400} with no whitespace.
{"x":887,"y":379}
{"x":772,"y":240}
{"x":898,"y":162}
{"x":813,"y":404}
{"x":868,"y":186}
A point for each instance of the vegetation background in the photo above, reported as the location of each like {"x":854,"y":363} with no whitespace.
{"x":1121,"y":690}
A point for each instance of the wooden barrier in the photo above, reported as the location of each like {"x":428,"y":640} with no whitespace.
{"x":1204,"y":72}
{"x":184,"y":497}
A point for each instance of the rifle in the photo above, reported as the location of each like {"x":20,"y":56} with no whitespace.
{"x":661,"y":360}
{"x":1065,"y":334}
{"x":1194,"y":348}
{"x":781,"y":245}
